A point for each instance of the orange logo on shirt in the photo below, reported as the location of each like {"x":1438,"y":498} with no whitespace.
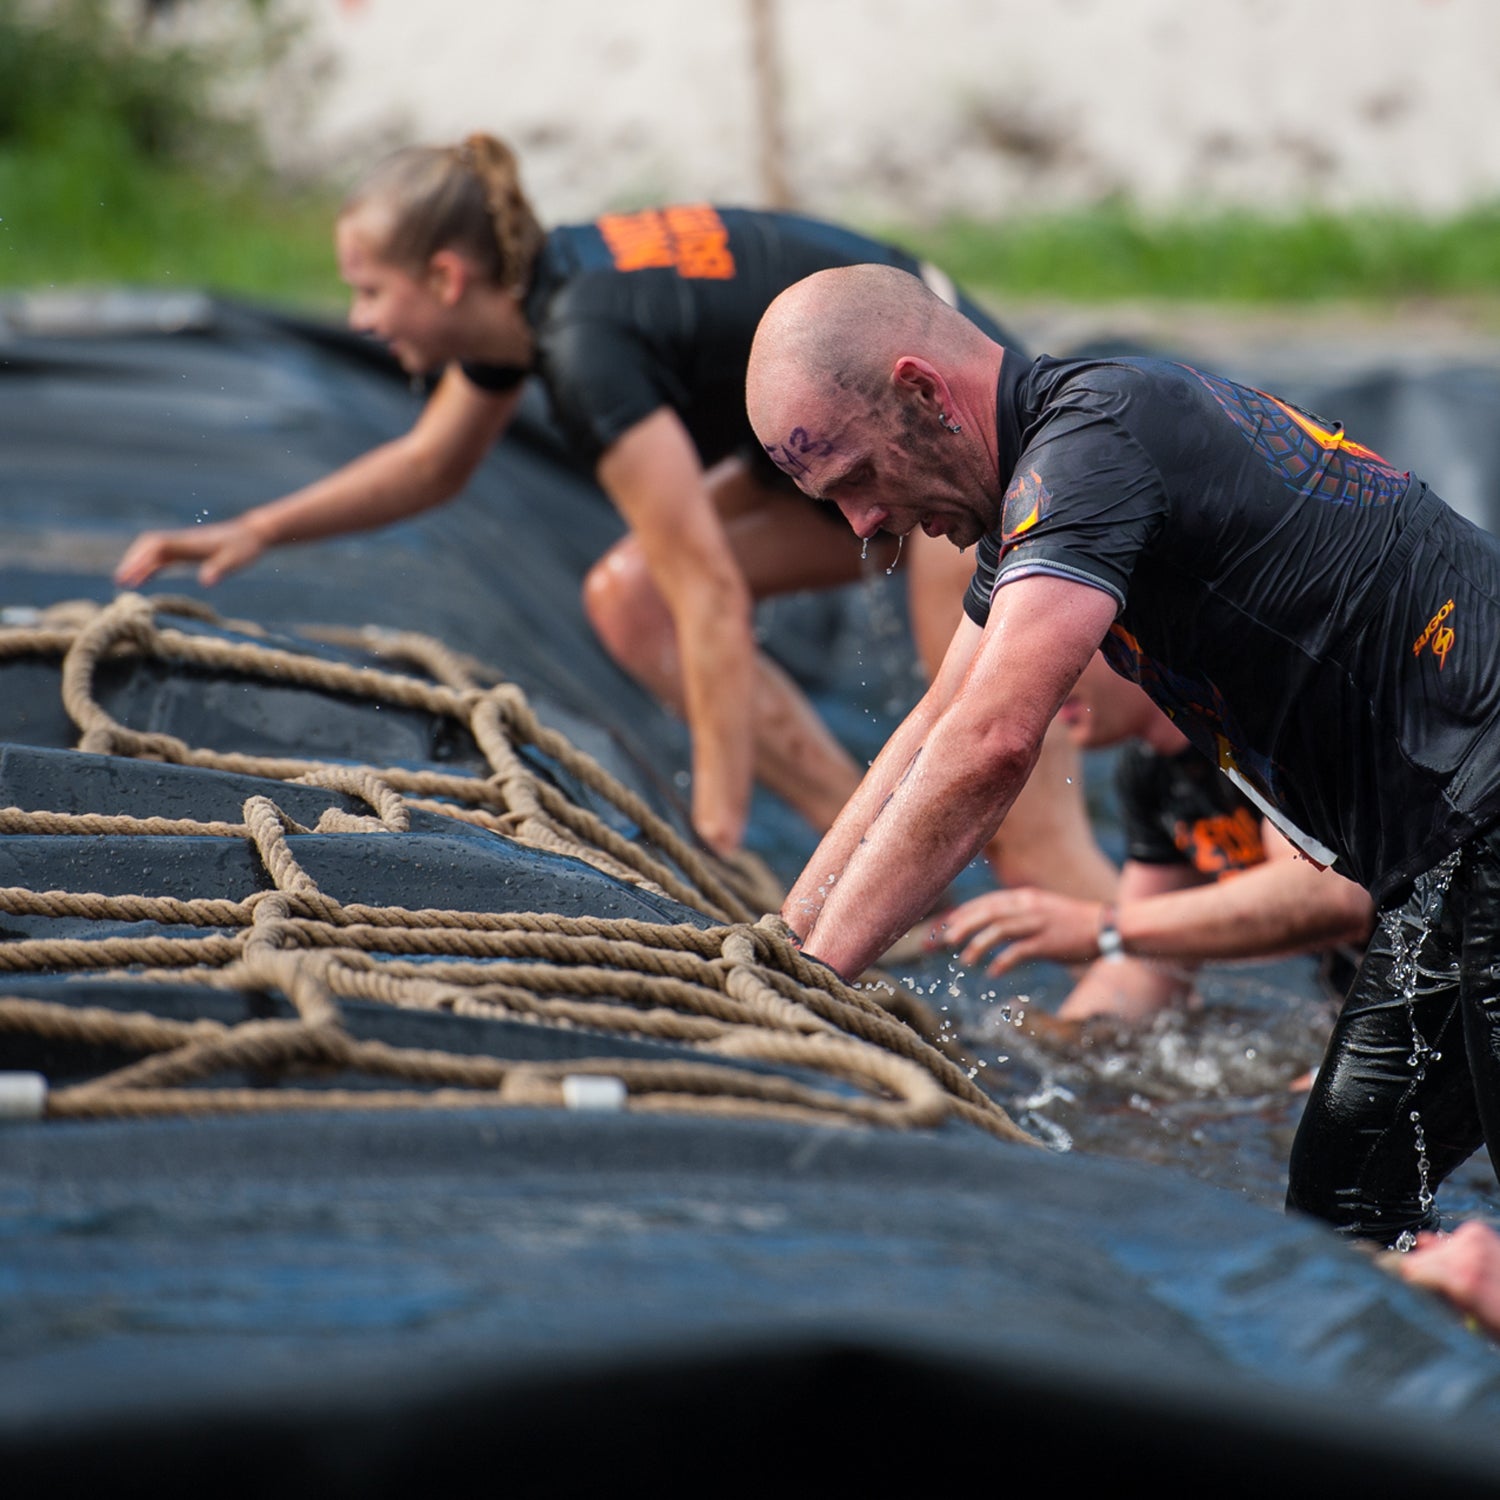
{"x":690,"y":238}
{"x":1440,"y":635}
{"x":1216,"y":845}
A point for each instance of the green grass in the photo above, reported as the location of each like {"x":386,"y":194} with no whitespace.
{"x":161,"y":229}
{"x":85,"y":219}
{"x":1112,"y":253}
{"x":87,"y":213}
{"x":119,"y":165}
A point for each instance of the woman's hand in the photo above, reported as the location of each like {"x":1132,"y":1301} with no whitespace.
{"x":222,"y":548}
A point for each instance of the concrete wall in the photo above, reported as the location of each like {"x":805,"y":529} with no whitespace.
{"x":900,"y":109}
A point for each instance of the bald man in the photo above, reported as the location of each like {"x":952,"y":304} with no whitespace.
{"x":1313,"y":619}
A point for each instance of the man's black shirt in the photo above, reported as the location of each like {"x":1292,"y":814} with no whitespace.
{"x":1314,"y":619}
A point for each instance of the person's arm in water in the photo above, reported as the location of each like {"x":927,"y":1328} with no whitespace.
{"x":1282,"y":905}
{"x":653,"y":475}
{"x":941,"y":786}
{"x":1033,"y":924}
{"x":424,"y":467}
{"x":1463,"y":1266}
{"x":1125,"y":986}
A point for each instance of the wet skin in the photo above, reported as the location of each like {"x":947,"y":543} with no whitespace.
{"x":870,"y":481}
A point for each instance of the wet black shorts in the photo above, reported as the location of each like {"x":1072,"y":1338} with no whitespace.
{"x":1411,"y":1084}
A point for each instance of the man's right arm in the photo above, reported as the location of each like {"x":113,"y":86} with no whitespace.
{"x":805,"y":900}
{"x":952,"y":771}
{"x":422,"y":468}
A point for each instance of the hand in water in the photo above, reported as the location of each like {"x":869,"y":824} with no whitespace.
{"x":1023,"y":924}
{"x":1463,"y":1266}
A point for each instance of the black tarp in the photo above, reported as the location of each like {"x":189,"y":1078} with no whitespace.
{"x":373,"y":1303}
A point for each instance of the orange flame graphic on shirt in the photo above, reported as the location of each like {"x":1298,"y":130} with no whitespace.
{"x":1023,"y":500}
{"x":1327,"y":438}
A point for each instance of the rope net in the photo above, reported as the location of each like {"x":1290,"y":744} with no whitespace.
{"x":729,"y":995}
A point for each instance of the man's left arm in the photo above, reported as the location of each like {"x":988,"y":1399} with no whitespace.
{"x":973,"y":759}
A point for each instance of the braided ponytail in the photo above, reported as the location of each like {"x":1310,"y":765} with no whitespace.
{"x":466,"y":198}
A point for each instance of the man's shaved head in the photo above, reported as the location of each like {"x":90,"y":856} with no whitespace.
{"x":828,"y":349}
{"x":839,"y":332}
{"x":871,"y":392}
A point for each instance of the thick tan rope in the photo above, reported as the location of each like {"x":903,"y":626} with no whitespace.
{"x":498,"y":718}
{"x":713,"y":988}
{"x":738,"y":993}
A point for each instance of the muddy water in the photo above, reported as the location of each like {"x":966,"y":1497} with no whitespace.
{"x":1212,"y":1093}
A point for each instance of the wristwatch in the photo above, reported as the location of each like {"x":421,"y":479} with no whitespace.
{"x":1111,"y":944}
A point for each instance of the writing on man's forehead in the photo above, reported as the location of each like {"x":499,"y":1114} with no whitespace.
{"x":792,"y":456}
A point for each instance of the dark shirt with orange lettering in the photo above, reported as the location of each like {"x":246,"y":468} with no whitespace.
{"x":640,"y":311}
{"x":1180,"y":810}
{"x":1314,"y":619}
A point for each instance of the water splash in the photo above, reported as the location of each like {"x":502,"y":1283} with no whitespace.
{"x":1406,"y":935}
{"x":1424,"y":1189}
{"x":864,"y":550}
{"x":1049,"y":1132}
{"x":900,"y":542}
{"x":895,"y":672}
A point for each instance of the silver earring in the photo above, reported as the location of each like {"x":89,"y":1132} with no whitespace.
{"x":949,"y":426}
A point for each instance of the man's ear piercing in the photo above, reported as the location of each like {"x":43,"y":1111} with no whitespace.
{"x":950,"y":426}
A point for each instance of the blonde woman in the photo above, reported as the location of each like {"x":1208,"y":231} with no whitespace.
{"x":639,"y":326}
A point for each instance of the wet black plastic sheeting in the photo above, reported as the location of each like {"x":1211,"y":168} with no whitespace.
{"x":102,"y":435}
{"x":369,"y":1298}
{"x":440,"y":863}
{"x":383,"y":1292}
